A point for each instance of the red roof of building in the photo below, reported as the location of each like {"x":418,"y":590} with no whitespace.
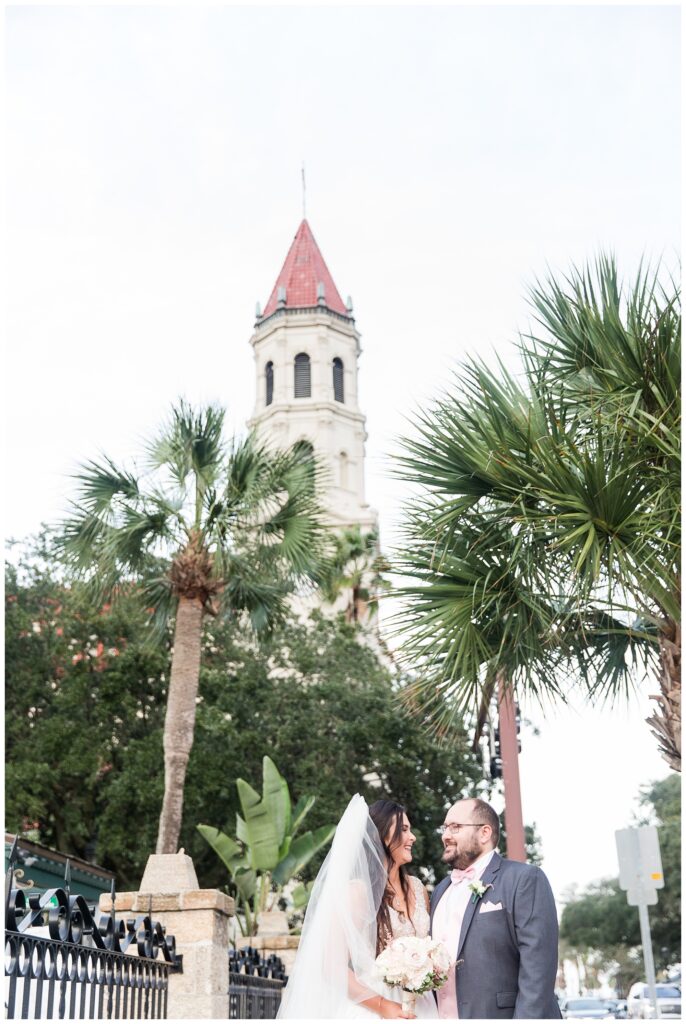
{"x":302,"y":272}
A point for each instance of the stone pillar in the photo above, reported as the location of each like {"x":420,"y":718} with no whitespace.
{"x":284,"y":946}
{"x":273,"y":937}
{"x":198,"y":918}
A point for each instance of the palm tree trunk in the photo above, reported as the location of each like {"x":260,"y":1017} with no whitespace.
{"x":665,"y":721}
{"x":509,"y":752}
{"x":179,"y":721}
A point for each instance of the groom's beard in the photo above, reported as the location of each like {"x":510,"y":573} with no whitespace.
{"x":462,"y":858}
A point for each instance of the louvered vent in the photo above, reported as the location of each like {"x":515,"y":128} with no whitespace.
{"x":338,"y":380}
{"x":269,"y":377}
{"x":302,"y":380}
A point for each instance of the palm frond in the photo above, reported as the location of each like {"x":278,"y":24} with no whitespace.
{"x":273,"y":496}
{"x":190,"y":443}
{"x":254,"y":585}
{"x":548,"y":509}
{"x":610,"y":653}
{"x":101,"y":482}
{"x":158,"y":595}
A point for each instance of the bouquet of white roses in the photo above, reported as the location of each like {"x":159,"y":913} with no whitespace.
{"x":416,"y":965}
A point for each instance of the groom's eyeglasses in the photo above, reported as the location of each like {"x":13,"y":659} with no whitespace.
{"x":454,"y":828}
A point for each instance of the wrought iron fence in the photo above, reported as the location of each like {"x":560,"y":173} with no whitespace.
{"x":255,"y":984}
{"x":61,"y":963}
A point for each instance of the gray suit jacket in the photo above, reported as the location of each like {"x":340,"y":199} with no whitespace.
{"x":507,"y":959}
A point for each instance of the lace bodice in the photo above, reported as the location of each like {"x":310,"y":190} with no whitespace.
{"x":418,"y":923}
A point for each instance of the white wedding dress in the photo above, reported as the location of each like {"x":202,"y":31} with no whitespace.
{"x":417,"y":924}
{"x":334,"y":969}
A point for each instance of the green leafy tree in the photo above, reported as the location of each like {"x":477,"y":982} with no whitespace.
{"x":544,"y":547}
{"x":82,"y":690}
{"x":599,"y":918}
{"x":85,"y":706}
{"x":237,"y":527}
{"x":661,"y":806}
{"x":621,"y":966}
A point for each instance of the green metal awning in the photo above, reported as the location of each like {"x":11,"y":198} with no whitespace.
{"x":45,"y":868}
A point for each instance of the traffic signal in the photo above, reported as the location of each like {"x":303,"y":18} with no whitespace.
{"x":495,"y":752}
{"x":496,"y":756}
{"x":518,"y":725}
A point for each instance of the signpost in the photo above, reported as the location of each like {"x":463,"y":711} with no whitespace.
{"x":640,"y":875}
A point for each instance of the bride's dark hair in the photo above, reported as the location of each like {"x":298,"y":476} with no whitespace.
{"x":388,"y":819}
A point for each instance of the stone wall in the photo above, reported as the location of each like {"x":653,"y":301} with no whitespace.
{"x":284,"y":946}
{"x":199,"y":920}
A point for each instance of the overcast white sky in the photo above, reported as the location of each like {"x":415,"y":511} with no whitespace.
{"x":153,"y":189}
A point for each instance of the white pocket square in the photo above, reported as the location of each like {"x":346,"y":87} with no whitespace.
{"x":486,"y":908}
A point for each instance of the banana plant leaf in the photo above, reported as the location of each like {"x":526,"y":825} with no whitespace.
{"x":241,"y":830}
{"x":301,"y":895}
{"x":266,"y":820}
{"x":300,"y":812}
{"x":226,"y":848}
{"x":265,"y":852}
{"x":285,"y":847}
{"x":302,"y":850}
{"x":298,"y":815}
{"x":246,"y":883}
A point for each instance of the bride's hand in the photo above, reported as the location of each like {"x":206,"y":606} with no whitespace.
{"x":388,"y":1010}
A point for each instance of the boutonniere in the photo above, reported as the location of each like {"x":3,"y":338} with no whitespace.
{"x":478,"y":889}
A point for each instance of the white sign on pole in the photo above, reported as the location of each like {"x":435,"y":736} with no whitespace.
{"x":640,"y":863}
{"x":641,"y":897}
{"x":640,"y":874}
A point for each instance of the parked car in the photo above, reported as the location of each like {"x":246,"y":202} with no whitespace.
{"x":668,"y":1001}
{"x":618,"y":1007}
{"x":587,"y":1009}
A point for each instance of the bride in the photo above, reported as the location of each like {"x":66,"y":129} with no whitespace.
{"x":362,"y":898}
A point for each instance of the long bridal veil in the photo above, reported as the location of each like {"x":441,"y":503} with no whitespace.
{"x":333,"y":968}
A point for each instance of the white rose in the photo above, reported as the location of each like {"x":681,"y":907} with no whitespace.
{"x":441,"y":959}
{"x":417,"y":980}
{"x":390,"y":964}
{"x":411,"y":961}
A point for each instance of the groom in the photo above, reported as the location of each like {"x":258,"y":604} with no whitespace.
{"x":497,"y":917}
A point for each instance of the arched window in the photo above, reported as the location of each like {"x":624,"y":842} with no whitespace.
{"x":302,"y":379}
{"x":269,"y":378}
{"x":343,"y":470}
{"x":304,"y":450}
{"x":338,"y":380}
{"x":304,"y":453}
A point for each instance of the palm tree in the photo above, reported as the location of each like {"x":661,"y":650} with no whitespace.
{"x":354,"y":568}
{"x":234,"y":529}
{"x":545,"y":543}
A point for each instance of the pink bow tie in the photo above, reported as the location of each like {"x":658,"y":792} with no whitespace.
{"x":458,"y":876}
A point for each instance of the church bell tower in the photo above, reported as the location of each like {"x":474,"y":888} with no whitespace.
{"x":306,"y":350}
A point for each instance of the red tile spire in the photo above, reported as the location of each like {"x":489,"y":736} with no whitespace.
{"x":303,"y":276}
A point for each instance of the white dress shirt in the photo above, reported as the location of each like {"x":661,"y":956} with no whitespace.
{"x":447,"y":925}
